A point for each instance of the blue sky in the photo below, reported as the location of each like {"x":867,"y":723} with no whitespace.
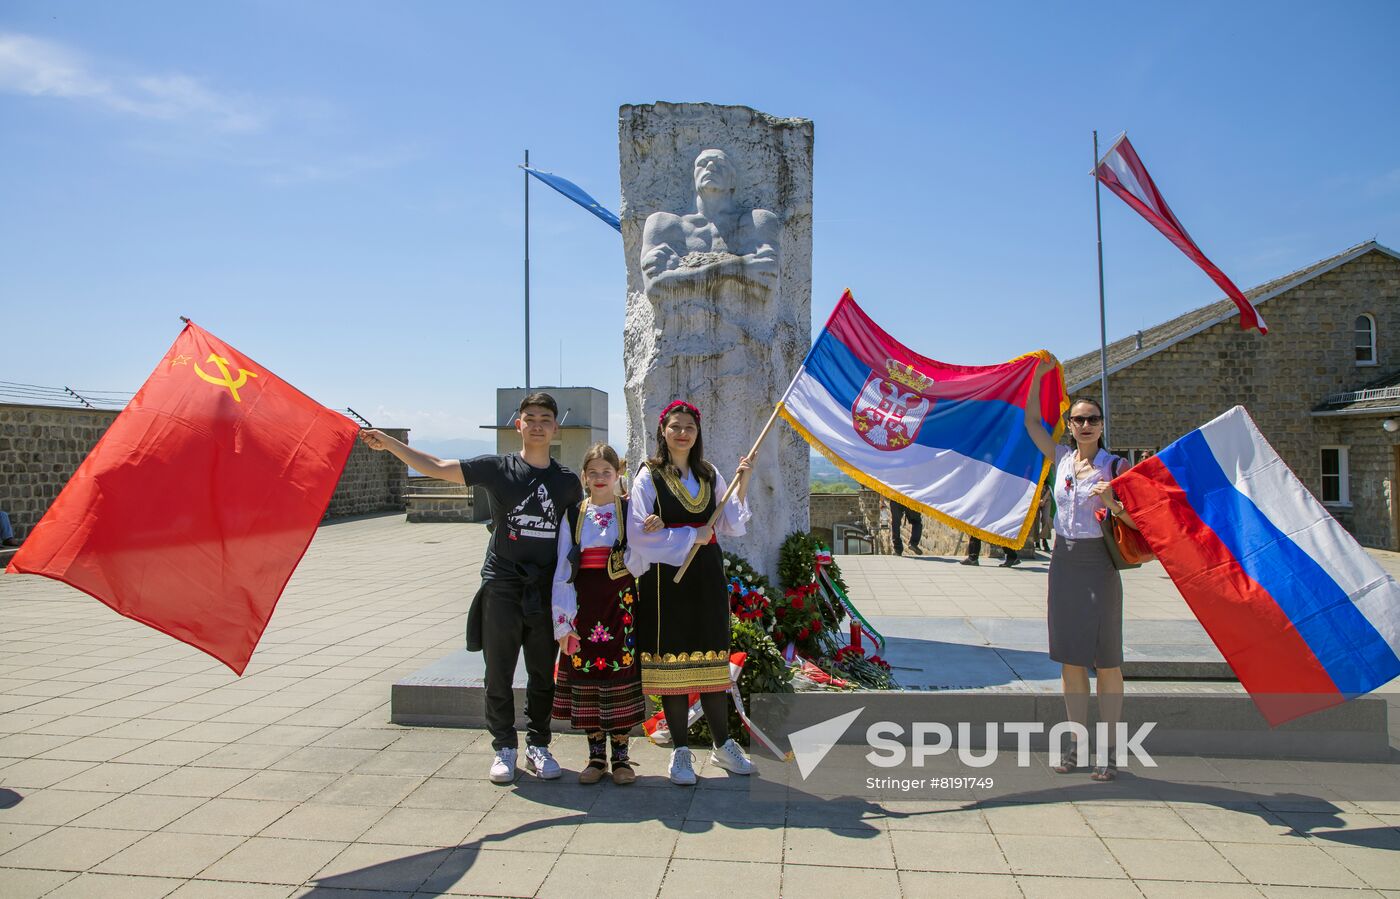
{"x":331,"y":186}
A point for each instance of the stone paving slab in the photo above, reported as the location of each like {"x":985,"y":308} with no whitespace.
{"x":132,"y":765}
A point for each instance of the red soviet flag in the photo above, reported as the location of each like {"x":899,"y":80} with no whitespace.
{"x":1122,"y":172}
{"x":194,"y":508}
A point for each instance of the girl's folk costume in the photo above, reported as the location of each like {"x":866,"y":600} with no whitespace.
{"x":598,"y":689}
{"x":682,"y":629}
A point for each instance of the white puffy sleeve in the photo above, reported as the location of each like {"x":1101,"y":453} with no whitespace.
{"x":563,"y":597}
{"x":733,"y":520}
{"x":668,"y":546}
{"x":631,"y":556}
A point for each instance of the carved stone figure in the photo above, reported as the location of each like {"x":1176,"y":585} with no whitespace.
{"x":716,"y":213}
{"x":718,"y":240}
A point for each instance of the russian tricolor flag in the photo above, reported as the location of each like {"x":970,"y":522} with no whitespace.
{"x":948,"y":440}
{"x":1305,"y":617}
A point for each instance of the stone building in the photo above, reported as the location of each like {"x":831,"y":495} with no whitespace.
{"x":1323,"y":385}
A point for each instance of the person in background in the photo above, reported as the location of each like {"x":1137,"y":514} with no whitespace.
{"x":974,"y":549}
{"x":7,"y":531}
{"x":898,"y":512}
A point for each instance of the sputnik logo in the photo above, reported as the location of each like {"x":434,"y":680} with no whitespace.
{"x":811,"y":744}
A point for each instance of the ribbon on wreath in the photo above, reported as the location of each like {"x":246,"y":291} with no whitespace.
{"x":859,"y":624}
{"x":656,"y":730}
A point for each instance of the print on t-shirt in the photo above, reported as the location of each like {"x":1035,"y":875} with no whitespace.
{"x":533,"y":516}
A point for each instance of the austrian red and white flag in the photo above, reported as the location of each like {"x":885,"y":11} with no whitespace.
{"x":1122,"y":172}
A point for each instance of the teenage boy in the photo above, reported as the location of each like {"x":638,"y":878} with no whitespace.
{"x":511,"y":611}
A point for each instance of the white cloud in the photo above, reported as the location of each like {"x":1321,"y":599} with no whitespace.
{"x":38,"y":68}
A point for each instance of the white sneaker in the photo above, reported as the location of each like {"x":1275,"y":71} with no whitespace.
{"x":731,"y":758}
{"x":540,"y":763}
{"x":503,"y":766}
{"x":682,"y":767}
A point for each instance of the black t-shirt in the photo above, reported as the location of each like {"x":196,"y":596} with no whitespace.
{"x":527,"y":506}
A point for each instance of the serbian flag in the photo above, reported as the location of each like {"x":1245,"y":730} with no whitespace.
{"x":197,"y":503}
{"x":947,"y":440}
{"x":1305,"y":617}
{"x":1121,"y":171}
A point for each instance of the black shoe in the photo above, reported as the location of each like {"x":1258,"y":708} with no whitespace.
{"x":970,"y":560}
{"x":899,"y":550}
{"x":916,"y":551}
{"x":1010,"y":562}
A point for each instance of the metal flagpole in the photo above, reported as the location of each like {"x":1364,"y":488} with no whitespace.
{"x":1103,"y":327}
{"x":526,"y":176}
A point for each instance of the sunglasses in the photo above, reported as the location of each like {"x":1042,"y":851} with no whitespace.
{"x":1087,"y":419}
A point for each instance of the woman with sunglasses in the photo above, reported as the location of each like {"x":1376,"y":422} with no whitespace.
{"x":1085,"y":604}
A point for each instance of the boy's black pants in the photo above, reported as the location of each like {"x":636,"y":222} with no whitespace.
{"x":506,"y":630}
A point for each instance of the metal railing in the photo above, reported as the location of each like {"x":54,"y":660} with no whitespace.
{"x":1358,"y":396}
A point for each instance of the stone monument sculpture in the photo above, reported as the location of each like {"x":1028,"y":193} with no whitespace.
{"x":717,"y":231}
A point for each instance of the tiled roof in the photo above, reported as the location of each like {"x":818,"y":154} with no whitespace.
{"x":1084,"y":369}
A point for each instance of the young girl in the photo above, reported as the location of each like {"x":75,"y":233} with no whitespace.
{"x":683,"y":629}
{"x":598,"y":689}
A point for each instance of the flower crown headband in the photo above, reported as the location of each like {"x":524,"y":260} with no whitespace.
{"x":683,"y":406}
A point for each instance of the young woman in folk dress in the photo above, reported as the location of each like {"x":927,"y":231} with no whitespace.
{"x":683,"y":629}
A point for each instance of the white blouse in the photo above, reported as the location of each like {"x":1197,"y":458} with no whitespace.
{"x":670,"y":546}
{"x":1075,"y":506}
{"x":600,"y":528}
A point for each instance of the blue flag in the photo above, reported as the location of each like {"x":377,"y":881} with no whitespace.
{"x":578,"y":195}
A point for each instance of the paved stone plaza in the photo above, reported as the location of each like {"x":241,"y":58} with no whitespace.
{"x":134,"y":766}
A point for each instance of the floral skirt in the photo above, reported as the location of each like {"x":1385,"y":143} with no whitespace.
{"x":603,"y":705}
{"x":599,"y":687}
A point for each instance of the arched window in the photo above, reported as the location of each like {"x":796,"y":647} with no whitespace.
{"x":1365,"y":339}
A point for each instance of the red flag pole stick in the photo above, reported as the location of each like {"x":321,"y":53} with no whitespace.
{"x":719,"y":507}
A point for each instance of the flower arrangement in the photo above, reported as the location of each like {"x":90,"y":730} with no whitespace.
{"x":806,"y":617}
{"x":871,"y":672}
{"x":748,"y":592}
{"x":810,"y":615}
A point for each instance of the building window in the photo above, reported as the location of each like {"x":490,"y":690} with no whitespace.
{"x":1365,"y":340}
{"x":1336,"y":486}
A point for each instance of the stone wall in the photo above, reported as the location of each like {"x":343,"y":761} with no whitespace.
{"x":830,"y":509}
{"x":371,"y":482}
{"x":41,"y":447}
{"x":1280,"y":377}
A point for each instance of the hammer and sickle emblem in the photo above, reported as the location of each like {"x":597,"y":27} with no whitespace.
{"x":233,"y":384}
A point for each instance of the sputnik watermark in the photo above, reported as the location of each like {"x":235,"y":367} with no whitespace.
{"x":930,"y":739}
{"x":887,"y":752}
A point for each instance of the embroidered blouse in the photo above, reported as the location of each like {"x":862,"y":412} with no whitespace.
{"x":1075,"y":506}
{"x":600,"y":528}
{"x":670,"y":546}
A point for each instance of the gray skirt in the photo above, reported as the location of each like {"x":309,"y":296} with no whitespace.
{"x":1085,"y":607}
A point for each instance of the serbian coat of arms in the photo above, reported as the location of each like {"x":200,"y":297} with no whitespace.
{"x":892,"y":406}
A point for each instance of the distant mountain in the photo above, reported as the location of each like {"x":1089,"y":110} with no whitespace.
{"x":824,"y":472}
